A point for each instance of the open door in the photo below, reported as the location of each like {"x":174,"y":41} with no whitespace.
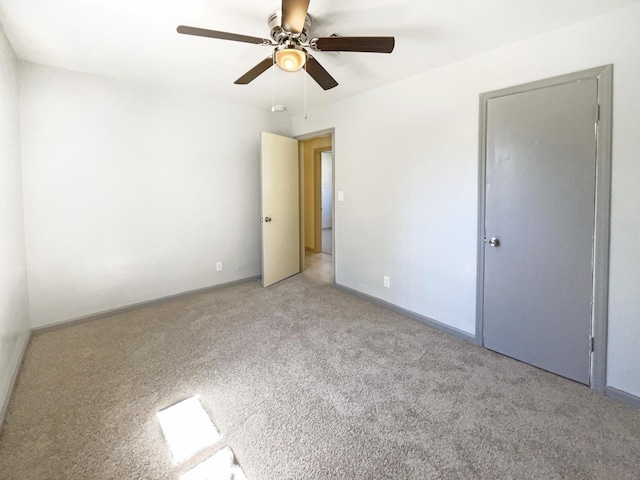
{"x":280,"y":208}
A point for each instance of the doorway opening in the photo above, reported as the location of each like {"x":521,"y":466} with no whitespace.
{"x":326,"y":207}
{"x":317,"y":207}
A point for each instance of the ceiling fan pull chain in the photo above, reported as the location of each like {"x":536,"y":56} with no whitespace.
{"x":305,"y":90}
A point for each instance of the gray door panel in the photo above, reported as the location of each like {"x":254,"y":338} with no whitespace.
{"x":540,"y":204}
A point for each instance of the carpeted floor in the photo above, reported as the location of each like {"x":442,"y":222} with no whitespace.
{"x":303,"y":382}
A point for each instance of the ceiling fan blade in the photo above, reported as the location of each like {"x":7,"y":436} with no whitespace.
{"x":202,"y":32}
{"x":252,"y":74}
{"x":354,"y":44}
{"x":294,"y":13}
{"x":319,"y":74}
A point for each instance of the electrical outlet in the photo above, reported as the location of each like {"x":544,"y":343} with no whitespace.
{"x":340,"y":196}
{"x":385,"y":281}
{"x":219,"y":267}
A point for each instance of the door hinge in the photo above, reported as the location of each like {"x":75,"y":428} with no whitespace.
{"x":597,"y":113}
{"x":590,"y":343}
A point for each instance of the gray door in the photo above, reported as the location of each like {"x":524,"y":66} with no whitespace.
{"x":539,"y":226}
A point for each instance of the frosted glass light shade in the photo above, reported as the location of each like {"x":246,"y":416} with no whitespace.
{"x":290,"y":59}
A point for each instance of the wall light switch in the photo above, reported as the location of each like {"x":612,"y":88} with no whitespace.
{"x":340,"y":196}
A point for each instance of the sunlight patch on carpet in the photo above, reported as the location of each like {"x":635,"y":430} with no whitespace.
{"x":187,"y":428}
{"x":221,"y":466}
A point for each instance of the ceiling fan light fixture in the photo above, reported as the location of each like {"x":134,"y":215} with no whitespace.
{"x":291,"y":59}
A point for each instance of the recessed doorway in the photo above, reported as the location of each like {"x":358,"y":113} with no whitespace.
{"x":326,"y":179}
{"x":317,"y":207}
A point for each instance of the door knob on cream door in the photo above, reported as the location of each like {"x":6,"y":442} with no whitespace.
{"x":494,"y":242}
{"x":267,"y":219}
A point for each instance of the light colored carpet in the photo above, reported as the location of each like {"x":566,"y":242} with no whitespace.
{"x":303,"y":382}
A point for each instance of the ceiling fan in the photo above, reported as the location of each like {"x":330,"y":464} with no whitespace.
{"x":289,"y":33}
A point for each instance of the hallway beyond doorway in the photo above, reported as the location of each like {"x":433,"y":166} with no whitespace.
{"x":327,"y":241}
{"x":319,"y":267}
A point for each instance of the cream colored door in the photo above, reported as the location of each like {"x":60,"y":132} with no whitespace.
{"x":280,"y":208}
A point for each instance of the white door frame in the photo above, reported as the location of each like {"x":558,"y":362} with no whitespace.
{"x":604,"y":76}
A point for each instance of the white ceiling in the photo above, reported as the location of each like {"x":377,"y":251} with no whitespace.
{"x":136,"y":40}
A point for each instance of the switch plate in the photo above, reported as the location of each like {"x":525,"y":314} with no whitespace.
{"x":219,"y":267}
{"x":386,"y":282}
{"x":340,"y":196}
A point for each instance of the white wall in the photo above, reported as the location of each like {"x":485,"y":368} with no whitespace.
{"x":133,"y":193}
{"x":413,"y":217}
{"x":14,"y":300}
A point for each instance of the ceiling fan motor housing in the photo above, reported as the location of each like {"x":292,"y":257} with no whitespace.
{"x":280,"y":35}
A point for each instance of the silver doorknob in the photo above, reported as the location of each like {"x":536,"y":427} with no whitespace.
{"x":267,"y":219}
{"x":494,"y":242}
